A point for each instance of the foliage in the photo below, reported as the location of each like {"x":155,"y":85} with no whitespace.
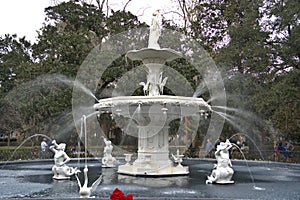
{"x":14,"y":52}
{"x":254,"y":43}
{"x":45,"y":75}
{"x":280,"y":101}
{"x":256,"y":46}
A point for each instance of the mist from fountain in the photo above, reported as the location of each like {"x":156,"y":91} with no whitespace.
{"x":137,"y":111}
{"x":60,"y":125}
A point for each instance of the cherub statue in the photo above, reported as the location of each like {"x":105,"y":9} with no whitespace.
{"x":108,"y":160}
{"x":222,"y":172}
{"x":60,"y":169}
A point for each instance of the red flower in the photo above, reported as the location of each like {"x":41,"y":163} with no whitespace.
{"x":119,"y":195}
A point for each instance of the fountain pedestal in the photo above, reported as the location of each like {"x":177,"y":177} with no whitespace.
{"x":153,"y":115}
{"x":153,"y":155}
{"x":154,"y":111}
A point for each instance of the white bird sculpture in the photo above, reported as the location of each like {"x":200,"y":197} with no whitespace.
{"x":162,"y":84}
{"x":85,"y":191}
{"x":145,"y":87}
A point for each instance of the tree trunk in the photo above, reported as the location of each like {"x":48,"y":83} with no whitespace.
{"x":8,"y":138}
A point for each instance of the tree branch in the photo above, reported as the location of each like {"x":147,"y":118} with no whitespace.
{"x":124,"y":8}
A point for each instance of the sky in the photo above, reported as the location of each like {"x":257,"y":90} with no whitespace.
{"x":25,"y":17}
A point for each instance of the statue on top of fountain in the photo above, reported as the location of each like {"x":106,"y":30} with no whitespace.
{"x":60,"y":169}
{"x":155,"y":30}
{"x":222,"y":172}
{"x":108,"y":160}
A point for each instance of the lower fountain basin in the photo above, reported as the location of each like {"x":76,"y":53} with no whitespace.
{"x":33,"y":180}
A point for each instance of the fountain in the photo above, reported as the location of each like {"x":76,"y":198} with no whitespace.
{"x":154,"y":111}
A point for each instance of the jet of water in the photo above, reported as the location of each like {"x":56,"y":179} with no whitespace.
{"x":250,"y":172}
{"x":18,"y":147}
{"x":201,"y":88}
{"x":76,"y":84}
{"x":233,"y":121}
{"x":251,"y":141}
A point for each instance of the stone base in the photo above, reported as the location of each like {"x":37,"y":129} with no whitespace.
{"x":61,"y":177}
{"x":108,"y":166}
{"x":224,"y":182}
{"x":148,"y":170}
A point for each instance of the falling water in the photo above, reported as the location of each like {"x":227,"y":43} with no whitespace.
{"x":85,"y":139}
{"x":260,"y":153}
{"x":214,"y":98}
{"x":90,"y":115}
{"x":250,"y":172}
{"x":137,"y":110}
{"x":226,"y":108}
{"x":78,"y":142}
{"x":201,"y":89}
{"x":83,"y":131}
{"x":18,"y":147}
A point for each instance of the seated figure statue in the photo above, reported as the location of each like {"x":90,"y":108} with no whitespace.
{"x":222,"y":172}
{"x":60,"y":169}
{"x":108,"y":160}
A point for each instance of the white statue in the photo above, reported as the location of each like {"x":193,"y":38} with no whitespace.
{"x":162,"y":83}
{"x":155,"y":30}
{"x":108,"y":160}
{"x":60,"y":169}
{"x":145,"y":87}
{"x":222,"y":172}
{"x":84,"y":190}
{"x":178,"y":158}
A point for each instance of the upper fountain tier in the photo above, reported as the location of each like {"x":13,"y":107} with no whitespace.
{"x":154,"y":58}
{"x":154,"y":54}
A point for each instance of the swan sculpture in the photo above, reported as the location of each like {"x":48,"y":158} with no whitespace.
{"x":84,"y":190}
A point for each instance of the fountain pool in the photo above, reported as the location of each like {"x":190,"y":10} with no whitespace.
{"x":33,"y":179}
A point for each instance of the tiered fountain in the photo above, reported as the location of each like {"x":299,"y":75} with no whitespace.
{"x":154,"y":111}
